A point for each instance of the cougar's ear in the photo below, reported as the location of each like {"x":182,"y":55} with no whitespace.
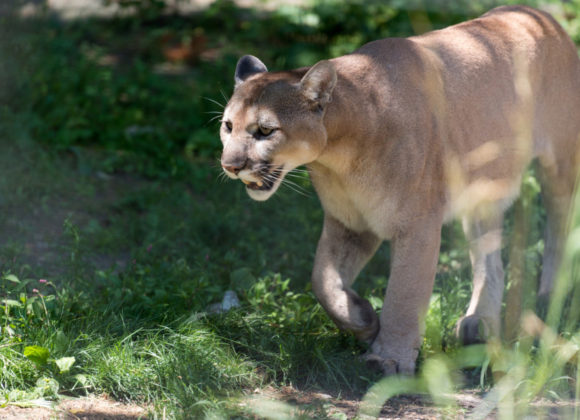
{"x":318,"y":83}
{"x":247,"y":66}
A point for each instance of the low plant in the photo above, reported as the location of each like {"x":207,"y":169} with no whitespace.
{"x":32,"y":347}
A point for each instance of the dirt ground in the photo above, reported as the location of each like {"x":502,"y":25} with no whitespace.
{"x":93,"y":408}
{"x":405,"y":407}
{"x":469,"y":404}
{"x":101,"y":408}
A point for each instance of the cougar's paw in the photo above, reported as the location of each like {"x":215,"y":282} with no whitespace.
{"x":388,"y":366}
{"x":472,"y":329}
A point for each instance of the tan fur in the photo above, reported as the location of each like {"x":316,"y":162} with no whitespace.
{"x":404,"y":134}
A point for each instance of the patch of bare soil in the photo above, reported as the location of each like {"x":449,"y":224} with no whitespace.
{"x":77,"y":409}
{"x":37,"y":230}
{"x":313,"y":404}
{"x":309,"y":404}
{"x":469,"y":403}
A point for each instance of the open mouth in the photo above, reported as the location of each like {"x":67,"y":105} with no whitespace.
{"x":267,"y":182}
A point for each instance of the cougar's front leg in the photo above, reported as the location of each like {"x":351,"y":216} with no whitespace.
{"x":414,"y":255}
{"x":340,"y":256}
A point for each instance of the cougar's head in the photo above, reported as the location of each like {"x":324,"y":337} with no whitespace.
{"x":273,"y":123}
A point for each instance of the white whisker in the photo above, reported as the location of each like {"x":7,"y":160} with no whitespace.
{"x":214,"y":118}
{"x":215,"y":102}
{"x":222,"y":177}
{"x":294,"y":188}
{"x":298,"y":174}
{"x":226,"y":98}
{"x":298,"y":186}
{"x":290,"y":184}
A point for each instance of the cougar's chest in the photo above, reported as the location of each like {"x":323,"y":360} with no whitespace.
{"x":360,"y":204}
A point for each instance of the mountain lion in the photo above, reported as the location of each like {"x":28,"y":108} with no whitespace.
{"x":403,"y":135}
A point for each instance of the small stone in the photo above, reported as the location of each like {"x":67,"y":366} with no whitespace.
{"x":230,"y":300}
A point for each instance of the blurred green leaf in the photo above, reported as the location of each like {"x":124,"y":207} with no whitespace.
{"x":37,"y":354}
{"x":47,"y":387}
{"x":65,"y":363}
{"x":12,"y":278}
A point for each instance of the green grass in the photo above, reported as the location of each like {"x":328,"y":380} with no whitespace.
{"x":139,"y":329}
{"x":110,"y":192}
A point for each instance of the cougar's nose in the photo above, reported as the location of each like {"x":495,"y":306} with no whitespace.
{"x":234,"y":167}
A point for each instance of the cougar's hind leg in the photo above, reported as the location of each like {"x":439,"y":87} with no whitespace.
{"x":558,"y":152}
{"x":558,"y":181}
{"x":482,"y":319}
{"x":340,"y":256}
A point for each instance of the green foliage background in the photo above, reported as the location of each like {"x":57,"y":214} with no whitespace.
{"x":108,"y":130}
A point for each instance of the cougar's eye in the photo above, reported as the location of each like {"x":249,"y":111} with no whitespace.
{"x":228,"y":126}
{"x":265,"y":131}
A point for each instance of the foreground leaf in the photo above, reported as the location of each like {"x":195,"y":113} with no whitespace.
{"x":37,"y":354}
{"x":65,"y":363}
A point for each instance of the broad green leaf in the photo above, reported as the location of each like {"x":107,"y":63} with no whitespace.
{"x":37,"y":354}
{"x":12,"y":278}
{"x":61,"y":341}
{"x":11,"y":302}
{"x":65,"y":363}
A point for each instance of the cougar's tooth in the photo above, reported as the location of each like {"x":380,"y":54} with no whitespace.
{"x":259,"y":183}
{"x":246,"y":182}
